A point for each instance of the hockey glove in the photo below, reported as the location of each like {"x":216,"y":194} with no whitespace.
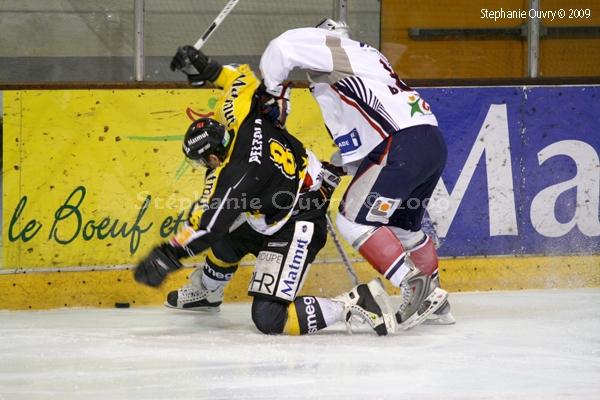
{"x":348,"y":168}
{"x":331,"y":178}
{"x":195,"y":64}
{"x":275,"y":104}
{"x":153,"y":270}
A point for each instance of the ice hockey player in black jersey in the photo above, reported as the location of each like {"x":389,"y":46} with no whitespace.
{"x":264,"y":194}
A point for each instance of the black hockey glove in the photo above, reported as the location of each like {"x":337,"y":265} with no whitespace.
{"x":331,"y":178}
{"x":195,"y":64}
{"x":275,"y":104}
{"x":153,"y":270}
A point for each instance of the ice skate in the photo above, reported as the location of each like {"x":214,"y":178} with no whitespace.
{"x":369,"y":303}
{"x":195,"y":296}
{"x":421,"y":299}
{"x":442,"y":316}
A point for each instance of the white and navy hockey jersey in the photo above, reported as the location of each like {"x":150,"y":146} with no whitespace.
{"x":362,"y":99}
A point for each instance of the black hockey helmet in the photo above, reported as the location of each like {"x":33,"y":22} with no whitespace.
{"x":205,"y":136}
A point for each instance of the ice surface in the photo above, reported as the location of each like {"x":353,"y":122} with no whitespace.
{"x":505,"y":345}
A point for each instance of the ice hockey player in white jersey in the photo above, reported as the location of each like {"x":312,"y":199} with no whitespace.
{"x":388,"y":139}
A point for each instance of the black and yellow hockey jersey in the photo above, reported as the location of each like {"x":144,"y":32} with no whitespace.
{"x":261,"y":175}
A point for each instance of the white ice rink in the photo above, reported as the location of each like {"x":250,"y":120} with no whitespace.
{"x":505,"y":345}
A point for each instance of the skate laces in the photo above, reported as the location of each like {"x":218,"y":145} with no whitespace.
{"x":351,"y":317}
{"x":406,"y":295}
{"x":358,"y":315}
{"x":191,"y":293}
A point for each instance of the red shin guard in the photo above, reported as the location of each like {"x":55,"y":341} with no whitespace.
{"x":384,"y":252}
{"x":425,"y":257}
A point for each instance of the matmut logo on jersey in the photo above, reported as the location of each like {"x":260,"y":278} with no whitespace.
{"x":294,"y":265}
{"x":349,"y":142}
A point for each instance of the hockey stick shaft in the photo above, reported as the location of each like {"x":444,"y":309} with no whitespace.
{"x":340,"y":249}
{"x":215,"y":24}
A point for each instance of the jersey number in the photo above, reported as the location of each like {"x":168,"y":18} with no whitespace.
{"x":283,"y":158}
{"x":400,"y":86}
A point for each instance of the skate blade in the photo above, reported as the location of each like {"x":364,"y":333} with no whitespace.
{"x":435,"y":300}
{"x":444,"y":319}
{"x":383,"y":300}
{"x":203,"y":309}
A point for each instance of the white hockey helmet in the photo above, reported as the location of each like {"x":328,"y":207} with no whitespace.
{"x":336,"y":26}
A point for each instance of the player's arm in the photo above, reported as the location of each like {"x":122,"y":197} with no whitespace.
{"x":197,"y":66}
{"x":210,"y":217}
{"x":304,"y":48}
{"x":237,"y":81}
{"x":200,"y":68}
{"x":208,"y":220}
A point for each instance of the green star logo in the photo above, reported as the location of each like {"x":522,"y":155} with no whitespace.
{"x":415,"y":107}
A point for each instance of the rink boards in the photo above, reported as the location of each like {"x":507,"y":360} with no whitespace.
{"x":92,"y":179}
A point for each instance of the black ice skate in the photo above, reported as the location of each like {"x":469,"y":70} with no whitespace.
{"x":195,"y":297}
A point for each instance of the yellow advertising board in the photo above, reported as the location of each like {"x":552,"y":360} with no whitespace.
{"x":96,"y":177}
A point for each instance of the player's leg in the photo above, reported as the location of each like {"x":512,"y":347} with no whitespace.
{"x":368,"y":303}
{"x":279,"y":275}
{"x":424,"y":279}
{"x":382,"y":181}
{"x":206,"y":286}
{"x":207,"y":282}
{"x":406,"y":223}
{"x":374,"y":194}
{"x":421,"y":251}
{"x":381,"y":191}
{"x":415,"y":271}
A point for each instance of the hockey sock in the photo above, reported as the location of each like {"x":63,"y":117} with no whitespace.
{"x":212,"y":284}
{"x":217,"y":273}
{"x":308,"y":314}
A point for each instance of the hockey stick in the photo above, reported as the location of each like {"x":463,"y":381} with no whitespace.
{"x":215,"y":24}
{"x":340,"y":249}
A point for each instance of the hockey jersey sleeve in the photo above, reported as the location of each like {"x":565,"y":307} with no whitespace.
{"x":238,"y":83}
{"x":222,"y":201}
{"x":305,"y":48}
